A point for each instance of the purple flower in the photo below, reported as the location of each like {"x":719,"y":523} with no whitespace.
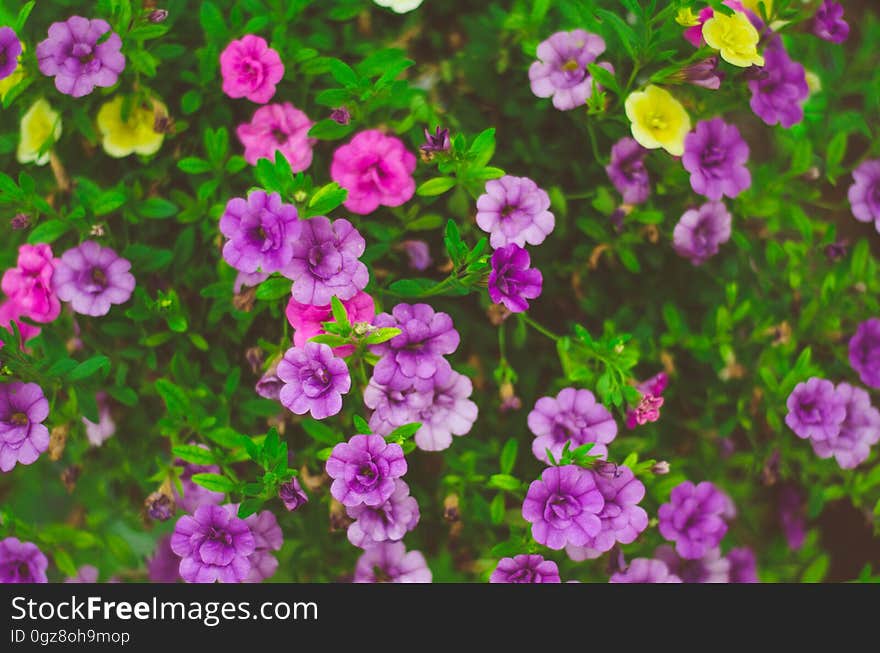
{"x":742,"y":565}
{"x":525,"y":568}
{"x":292,"y":495}
{"x":693,"y":518}
{"x":563,"y":507}
{"x":700,"y":231}
{"x":419,"y":254}
{"x":364,"y":470}
{"x":194,"y":496}
{"x":437,"y":142}
{"x":715,"y":154}
{"x":214,"y":545}
{"x":269,"y":386}
{"x":326,"y":262}
{"x":859,"y":431}
{"x":645,"y":570}
{"x":573,"y":416}
{"x":387,"y":522}
{"x":779,"y":90}
{"x":79,"y":57}
{"x":512,"y":282}
{"x":164,"y":565}
{"x":622,"y":518}
{"x":314,"y":380}
{"x":828,"y":23}
{"x":159,"y":506}
{"x":267,"y":538}
{"x":417,"y":352}
{"x":23,"y":436}
{"x":711,"y":567}
{"x":92,"y":278}
{"x":10,"y":50}
{"x":21,"y":562}
{"x":389,"y":562}
{"x":815,"y":410}
{"x":340,"y":115}
{"x":397,"y":404}
{"x":561,"y":69}
{"x":648,"y":408}
{"x":791,"y":516}
{"x":627,"y":171}
{"x":450,"y":411}
{"x":514,"y":210}
{"x":704,"y":74}
{"x":261,"y":232}
{"x":864,"y":194}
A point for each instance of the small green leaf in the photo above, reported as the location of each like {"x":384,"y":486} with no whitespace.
{"x":504,"y":482}
{"x":339,"y":312}
{"x":508,"y":455}
{"x":404,"y":432}
{"x":49,"y":231}
{"x":214,"y":482}
{"x":321,"y":432}
{"x":194,"y":454}
{"x":273,"y":288}
{"x":329,"y":130}
{"x":89,"y":368}
{"x":435,"y":186}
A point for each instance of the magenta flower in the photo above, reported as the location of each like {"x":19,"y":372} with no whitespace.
{"x":23,"y":436}
{"x":29,"y":284}
{"x":711,"y":567}
{"x":387,"y":522}
{"x":92,"y":278}
{"x":376,"y":169}
{"x":326,"y":262}
{"x":21,"y":562}
{"x":267,"y":538}
{"x":79,"y":55}
{"x":645,"y":570}
{"x":314,"y":380}
{"x":694,"y":34}
{"x":864,"y":194}
{"x":743,"y":568}
{"x":250,"y":69}
{"x":364,"y":470}
{"x":573,"y":416}
{"x":10,"y":50}
{"x":563,"y":507}
{"x":779,"y":89}
{"x":828,"y":23}
{"x":694,"y":518}
{"x":627,"y":171}
{"x":214,"y":545}
{"x":525,"y":568}
{"x":858,"y":433}
{"x":701,"y":231}
{"x":864,"y":352}
{"x":815,"y":410}
{"x":307,"y":321}
{"x":512,"y":281}
{"x":648,"y":408}
{"x":514,"y":210}
{"x":561,"y":69}
{"x":278,"y":128}
{"x":389,"y":562}
{"x":261,"y":232}
{"x":715,"y":154}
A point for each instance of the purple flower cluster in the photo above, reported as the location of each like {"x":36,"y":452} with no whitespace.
{"x":815,"y":410}
{"x":261,"y":231}
{"x":864,"y":352}
{"x":701,"y":231}
{"x":314,"y":380}
{"x":710,"y":567}
{"x":364,"y":470}
{"x":779,"y":89}
{"x":645,"y":570}
{"x":514,"y":210}
{"x":574,"y":417}
{"x":10,"y":50}
{"x":525,"y":568}
{"x":390,"y":562}
{"x":694,"y":518}
{"x":715,"y":154}
{"x":387,"y":522}
{"x":627,"y":171}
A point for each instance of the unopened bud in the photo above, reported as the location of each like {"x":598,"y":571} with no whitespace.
{"x":158,"y":16}
{"x":450,"y":509}
{"x":57,"y":441}
{"x":660,"y":468}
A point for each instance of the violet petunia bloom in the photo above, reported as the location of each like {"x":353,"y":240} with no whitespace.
{"x":573,"y":416}
{"x":307,"y":321}
{"x":701,"y":231}
{"x":864,"y":352}
{"x":563,"y":507}
{"x":815,"y":410}
{"x":514,"y":210}
{"x":743,"y":568}
{"x":250,"y":69}
{"x":627,"y":171}
{"x":364,"y":470}
{"x":23,"y":436}
{"x":314,"y":380}
{"x":387,"y":522}
{"x":278,"y":128}
{"x":512,"y":281}
{"x":525,"y":568}
{"x":292,"y":495}
{"x":716,"y":155}
{"x":267,"y":538}
{"x":779,"y":89}
{"x":376,"y":169}
{"x":326,"y":262}
{"x":214,"y":545}
{"x":864,"y":193}
{"x":390,"y":562}
{"x":694,"y":518}
{"x":164,"y":565}
{"x":792,"y":516}
{"x":418,"y":351}
{"x":269,"y":385}
{"x":261,"y":231}
{"x":10,"y":50}
{"x":622,"y":518}
{"x":398,"y":403}
{"x":561,"y":69}
{"x":450,"y":411}
{"x":645,"y":570}
{"x":858,"y":433}
{"x":711,"y":567}
{"x":828,"y":22}
{"x":419,"y":254}
{"x":21,"y":562}
{"x":80,"y":55}
{"x":92,"y":278}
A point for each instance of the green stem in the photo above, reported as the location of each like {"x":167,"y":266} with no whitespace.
{"x":538,"y":327}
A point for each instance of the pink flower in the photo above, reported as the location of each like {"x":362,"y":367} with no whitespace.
{"x":250,"y":69}
{"x":306,"y":319}
{"x":278,"y":128}
{"x":11,"y":312}
{"x":695,"y":34}
{"x":376,"y":170}
{"x":29,"y":289}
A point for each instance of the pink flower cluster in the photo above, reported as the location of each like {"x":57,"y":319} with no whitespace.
{"x":28,"y":290}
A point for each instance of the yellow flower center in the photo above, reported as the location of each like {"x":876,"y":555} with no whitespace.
{"x":570,"y":66}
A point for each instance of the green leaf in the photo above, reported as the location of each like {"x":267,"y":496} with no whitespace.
{"x":382,"y":335}
{"x":411,"y":287}
{"x":483,"y":147}
{"x":49,"y":231}
{"x":504,"y":482}
{"x":404,"y":432}
{"x":496,"y":509}
{"x":20,"y":20}
{"x":176,"y":400}
{"x":815,"y":572}
{"x":343,"y":73}
{"x":108,"y":202}
{"x":214,"y":482}
{"x":273,"y":288}
{"x":361,"y":425}
{"x":321,"y":432}
{"x":193,"y":165}
{"x":329,"y":130}
{"x":327,"y":198}
{"x":157,"y":208}
{"x":435,"y":186}
{"x":211,"y":19}
{"x":604,"y":77}
{"x":835,"y":154}
{"x":194,"y":454}
{"x":425,"y":222}
{"x":508,"y":455}
{"x":89,"y":368}
{"x":249,"y":506}
{"x":339,"y":312}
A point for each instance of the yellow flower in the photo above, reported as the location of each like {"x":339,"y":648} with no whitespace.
{"x":17,"y":75}
{"x":735,"y":38}
{"x":134,"y":135}
{"x":752,"y":5}
{"x":658,"y":120}
{"x":40,"y":128}
{"x":686,"y":17}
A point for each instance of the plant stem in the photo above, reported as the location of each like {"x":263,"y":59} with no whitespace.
{"x":538,"y":327}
